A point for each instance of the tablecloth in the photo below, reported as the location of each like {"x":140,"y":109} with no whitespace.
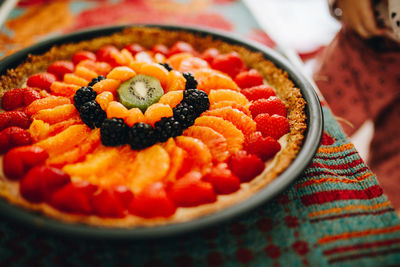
{"x":335,"y":213}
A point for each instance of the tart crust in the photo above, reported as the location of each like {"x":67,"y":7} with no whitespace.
{"x":147,"y":37}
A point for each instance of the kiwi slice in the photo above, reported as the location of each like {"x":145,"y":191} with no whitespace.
{"x":140,"y":92}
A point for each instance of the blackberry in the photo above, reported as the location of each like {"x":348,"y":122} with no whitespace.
{"x":167,"y":66}
{"x":92,"y":114}
{"x":191,"y":82}
{"x":198,"y":99}
{"x":114,"y":132}
{"x":141,"y":135}
{"x":185,"y":114}
{"x":168,"y":127}
{"x":96,"y":80}
{"x":83,"y":95}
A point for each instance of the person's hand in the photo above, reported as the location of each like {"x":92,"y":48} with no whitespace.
{"x":359,"y":16}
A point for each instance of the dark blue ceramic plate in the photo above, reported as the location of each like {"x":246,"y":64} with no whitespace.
{"x":308,"y":149}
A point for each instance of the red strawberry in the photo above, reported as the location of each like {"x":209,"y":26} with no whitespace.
{"x":134,"y":48}
{"x":230,"y":63}
{"x":160,"y":48}
{"x":42,"y":80}
{"x":18,"y":161}
{"x":258,"y":92}
{"x":14,"y":118}
{"x":83,"y":55}
{"x":263,"y":147}
{"x":124,"y":195}
{"x":246,"y":166}
{"x":74,"y":197}
{"x":106,"y":204}
{"x":272,"y":125}
{"x":41,"y":182}
{"x":13,"y":137}
{"x":272,"y":105}
{"x":19,"y":97}
{"x":152,"y":201}
{"x":209,"y":54}
{"x":180,"y":47}
{"x":105,"y":54}
{"x":250,"y":78}
{"x":61,"y":67}
{"x":222,"y":179}
{"x":190,"y":191}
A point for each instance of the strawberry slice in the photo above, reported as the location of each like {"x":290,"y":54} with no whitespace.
{"x":20,"y":160}
{"x":124,"y":195}
{"x":258,"y":92}
{"x":209,"y":54}
{"x":14,"y":118}
{"x":14,"y":137}
{"x":263,"y":147}
{"x":181,"y":47}
{"x":74,"y":198}
{"x":42,"y":80}
{"x":230,"y":63}
{"x":106,"y":203}
{"x":41,"y":181}
{"x":274,"y":125}
{"x":222,"y":179}
{"x":134,"y":48}
{"x":83,"y":55}
{"x":250,"y":78}
{"x":246,"y":166}
{"x":272,"y":105}
{"x":160,"y":48}
{"x":190,"y":191}
{"x":60,"y":68}
{"x":152,"y":201}
{"x":106,"y":54}
{"x":19,"y":97}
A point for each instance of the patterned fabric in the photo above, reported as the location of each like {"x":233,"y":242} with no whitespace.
{"x":335,"y":213}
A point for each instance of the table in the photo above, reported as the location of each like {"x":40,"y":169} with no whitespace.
{"x":334,"y":213}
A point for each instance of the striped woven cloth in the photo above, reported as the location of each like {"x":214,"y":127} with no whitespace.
{"x":334,"y":214}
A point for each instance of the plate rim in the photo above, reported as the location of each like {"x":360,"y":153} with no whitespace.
{"x":308,"y":149}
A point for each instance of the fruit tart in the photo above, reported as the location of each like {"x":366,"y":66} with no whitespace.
{"x":145,"y":127}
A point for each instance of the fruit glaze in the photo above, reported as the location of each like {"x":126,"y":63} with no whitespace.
{"x":139,"y":134}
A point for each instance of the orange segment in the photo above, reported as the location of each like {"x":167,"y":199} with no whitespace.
{"x":104,"y":98}
{"x":234,"y":137}
{"x":122,"y":73}
{"x":62,"y":125}
{"x":97,"y":166}
{"x":238,"y":118}
{"x":155,"y":70}
{"x":227,"y":95}
{"x":192,"y":64}
{"x":151,"y":165}
{"x":116,"y":110}
{"x":198,"y":156}
{"x":172,"y":98}
{"x":63,"y":89}
{"x":109,"y":85}
{"x":232,"y":104}
{"x":211,"y":79}
{"x":175,"y":81}
{"x":39,"y":130}
{"x":178,"y":155}
{"x":45,"y":103}
{"x":65,"y":140}
{"x":127,"y":56}
{"x":56,"y":114}
{"x":101,"y":68}
{"x":136,"y":66}
{"x":133,"y":116}
{"x":215,"y":141}
{"x":156,"y":111}
{"x":71,"y":78}
{"x":176,"y":59}
{"x":78,"y":153}
{"x":85,"y":73}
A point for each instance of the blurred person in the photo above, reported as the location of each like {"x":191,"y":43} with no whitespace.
{"x":359,"y":76}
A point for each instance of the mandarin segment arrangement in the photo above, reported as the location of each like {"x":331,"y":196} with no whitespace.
{"x":140,"y":132}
